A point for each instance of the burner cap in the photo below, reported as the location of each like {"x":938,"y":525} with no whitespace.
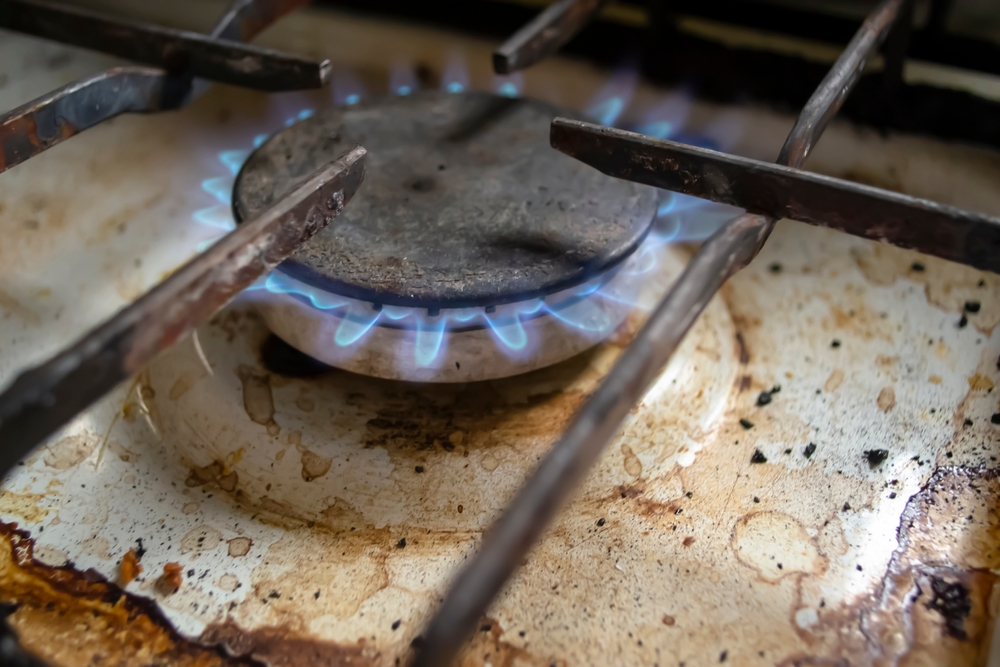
{"x":464,"y":205}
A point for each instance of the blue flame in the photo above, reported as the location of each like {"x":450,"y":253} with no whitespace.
{"x":509,"y":331}
{"x":355,"y":323}
{"x":220,"y":187}
{"x":233,"y":160}
{"x":346,"y":88}
{"x":403,"y":80}
{"x":430,"y":335}
{"x":661,"y":129}
{"x":615,"y":96}
{"x":302,"y":115}
{"x":216,"y":217}
{"x":508,"y":85}
{"x":456,"y":76}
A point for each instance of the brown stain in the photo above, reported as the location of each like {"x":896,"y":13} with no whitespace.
{"x":200,"y":539}
{"x":97,"y":624}
{"x":27,"y":506}
{"x":96,"y":546}
{"x":886,"y":399}
{"x":883,"y":361}
{"x":117,"y":223}
{"x":834,"y":381}
{"x":487,"y":647}
{"x":633,"y":466}
{"x":858,"y":321}
{"x":15,"y":307}
{"x":318,"y":556}
{"x":279,"y":646}
{"x":69,"y":451}
{"x":314,"y":466}
{"x":239,"y":546}
{"x":776,"y":545}
{"x":181,"y":386}
{"x":980,"y":382}
{"x":217,"y":473}
{"x":257,"y":399}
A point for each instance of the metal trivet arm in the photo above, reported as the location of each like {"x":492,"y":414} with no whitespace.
{"x":545,"y":34}
{"x":785,"y":192}
{"x":46,"y":397}
{"x":508,"y":540}
{"x":178,"y":56}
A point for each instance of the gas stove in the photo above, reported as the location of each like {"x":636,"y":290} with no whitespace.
{"x":315,"y":464}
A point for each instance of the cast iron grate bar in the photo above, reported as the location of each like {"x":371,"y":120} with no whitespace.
{"x":545,"y":34}
{"x":52,"y":118}
{"x":41,"y":400}
{"x":509,"y":539}
{"x":784,"y":192}
{"x":173,"y":50}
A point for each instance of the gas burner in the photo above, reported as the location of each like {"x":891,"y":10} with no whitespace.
{"x":475,"y":251}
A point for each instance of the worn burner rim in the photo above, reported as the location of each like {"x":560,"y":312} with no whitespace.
{"x":639,"y":220}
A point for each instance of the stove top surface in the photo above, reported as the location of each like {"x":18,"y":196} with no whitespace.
{"x":325,"y":515}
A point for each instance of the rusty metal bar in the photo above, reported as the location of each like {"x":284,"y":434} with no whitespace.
{"x":176,"y":51}
{"x":43,"y":399}
{"x":545,"y":34}
{"x":508,"y":540}
{"x":48,"y":120}
{"x":63,"y":113}
{"x":783,"y":192}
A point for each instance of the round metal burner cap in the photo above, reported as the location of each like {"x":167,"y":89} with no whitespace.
{"x":465,"y":204}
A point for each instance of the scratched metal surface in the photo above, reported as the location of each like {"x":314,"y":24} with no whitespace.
{"x":286,"y":501}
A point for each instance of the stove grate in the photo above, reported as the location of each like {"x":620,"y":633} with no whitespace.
{"x":176,"y":57}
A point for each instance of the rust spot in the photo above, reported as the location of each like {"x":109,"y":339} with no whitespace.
{"x":278,"y":646}
{"x":688,"y":541}
{"x":744,"y":352}
{"x":130,"y":568}
{"x":95,"y":621}
{"x":668,"y":620}
{"x":172,"y":578}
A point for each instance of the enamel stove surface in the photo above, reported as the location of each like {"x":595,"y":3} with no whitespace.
{"x":474,"y":250}
{"x":324,"y":516}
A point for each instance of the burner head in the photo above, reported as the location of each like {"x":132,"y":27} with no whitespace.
{"x":464,"y":205}
{"x":473,"y":250}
